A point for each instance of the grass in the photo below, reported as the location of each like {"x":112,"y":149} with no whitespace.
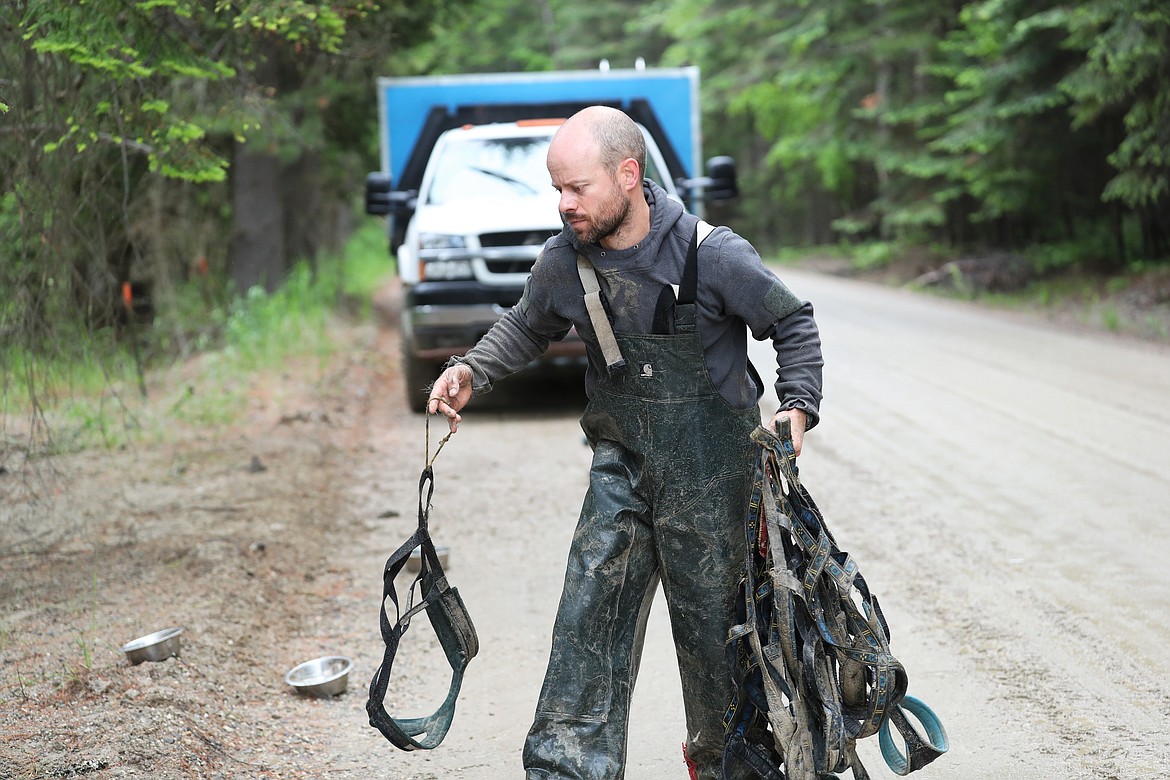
{"x":1114,"y":304}
{"x":790,"y":255}
{"x":85,"y":390}
{"x":87,"y":644}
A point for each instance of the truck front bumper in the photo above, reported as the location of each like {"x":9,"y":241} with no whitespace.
{"x":437,"y":331}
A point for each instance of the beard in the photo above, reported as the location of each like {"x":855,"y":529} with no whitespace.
{"x":611,"y":215}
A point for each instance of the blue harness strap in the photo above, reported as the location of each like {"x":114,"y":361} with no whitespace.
{"x":449,"y":619}
{"x":919,"y":751}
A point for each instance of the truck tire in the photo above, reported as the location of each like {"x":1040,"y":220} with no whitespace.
{"x":417,"y":377}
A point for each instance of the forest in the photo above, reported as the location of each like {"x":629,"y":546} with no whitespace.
{"x":179,"y":155}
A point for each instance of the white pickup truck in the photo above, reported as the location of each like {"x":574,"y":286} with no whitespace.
{"x":466,"y":237}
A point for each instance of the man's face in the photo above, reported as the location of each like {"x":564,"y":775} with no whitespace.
{"x":592,"y":202}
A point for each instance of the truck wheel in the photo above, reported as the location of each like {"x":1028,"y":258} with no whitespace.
{"x":418,"y":376}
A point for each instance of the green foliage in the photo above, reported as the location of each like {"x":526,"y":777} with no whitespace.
{"x":537,"y":36}
{"x":316,"y":24}
{"x":875,"y":254}
{"x":122,"y":119}
{"x":1000,"y":138}
{"x":529,"y":44}
{"x":365,"y":265}
{"x":1036,"y":125}
{"x":148,"y":59}
{"x":263,"y":329}
{"x":1091,"y":250}
{"x":89,"y":396}
{"x":989,"y":122}
{"x":1126,"y":71}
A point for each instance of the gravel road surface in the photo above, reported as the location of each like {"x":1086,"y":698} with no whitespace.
{"x":1002,"y":483}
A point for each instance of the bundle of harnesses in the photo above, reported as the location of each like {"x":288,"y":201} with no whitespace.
{"x":810,"y":651}
{"x":430,"y":591}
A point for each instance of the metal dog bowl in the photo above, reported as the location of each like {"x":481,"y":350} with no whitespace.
{"x":321,"y":677}
{"x":158,"y":646}
{"x":414,"y":562}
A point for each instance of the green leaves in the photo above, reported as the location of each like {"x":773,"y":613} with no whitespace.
{"x":1004,"y":121}
{"x":302,"y":23}
{"x":1126,"y":72}
{"x":981,"y":121}
{"x":161,"y":71}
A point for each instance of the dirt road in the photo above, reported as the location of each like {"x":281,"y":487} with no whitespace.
{"x":1005,"y":486}
{"x":1002,"y":484}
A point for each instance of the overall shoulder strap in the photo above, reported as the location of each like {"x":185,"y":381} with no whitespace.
{"x":690,"y":280}
{"x":597,"y":315}
{"x":684,"y":309}
{"x":686,"y":298}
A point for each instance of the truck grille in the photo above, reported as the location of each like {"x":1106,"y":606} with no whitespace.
{"x":503,"y":253}
{"x":515,"y":238}
{"x":514,"y":266}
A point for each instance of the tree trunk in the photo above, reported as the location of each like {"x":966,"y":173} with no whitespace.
{"x":308,"y":227}
{"x":257,"y":255}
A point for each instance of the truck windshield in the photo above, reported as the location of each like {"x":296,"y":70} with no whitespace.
{"x":489,"y":168}
{"x":498,"y":168}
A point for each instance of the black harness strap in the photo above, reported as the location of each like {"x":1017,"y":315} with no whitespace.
{"x":448,"y":617}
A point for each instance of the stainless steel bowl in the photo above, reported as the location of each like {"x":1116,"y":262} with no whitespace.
{"x":158,"y":646}
{"x":321,"y":677}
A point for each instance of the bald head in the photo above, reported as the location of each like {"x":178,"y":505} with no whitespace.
{"x":612,"y":134}
{"x":596,"y":162}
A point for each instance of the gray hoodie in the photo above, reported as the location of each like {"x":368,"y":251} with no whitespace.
{"x":734,"y":289}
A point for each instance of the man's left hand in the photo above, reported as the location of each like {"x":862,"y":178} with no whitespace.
{"x":798,"y":420}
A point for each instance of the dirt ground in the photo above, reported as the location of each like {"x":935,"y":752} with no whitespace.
{"x":232,"y":534}
{"x":264,"y":542}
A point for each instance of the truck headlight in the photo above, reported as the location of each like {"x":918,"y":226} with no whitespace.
{"x":447,"y":269}
{"x":441,"y":241}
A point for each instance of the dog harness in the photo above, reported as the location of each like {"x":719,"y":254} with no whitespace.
{"x":449,"y":619}
{"x":811,"y":651}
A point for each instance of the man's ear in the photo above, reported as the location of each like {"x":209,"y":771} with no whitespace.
{"x":629,"y":174}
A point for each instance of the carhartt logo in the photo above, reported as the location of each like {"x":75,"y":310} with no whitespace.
{"x":647,"y":370}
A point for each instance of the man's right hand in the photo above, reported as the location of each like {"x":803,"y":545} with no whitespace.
{"x":450,"y":393}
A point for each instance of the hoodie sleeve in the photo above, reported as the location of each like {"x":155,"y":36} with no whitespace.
{"x":516,"y":339}
{"x":746,"y":289}
{"x":799,"y":362}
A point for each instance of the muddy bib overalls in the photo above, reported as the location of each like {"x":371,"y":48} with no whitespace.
{"x":668,"y":488}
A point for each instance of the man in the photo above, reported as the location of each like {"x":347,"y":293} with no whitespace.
{"x":669,"y":421}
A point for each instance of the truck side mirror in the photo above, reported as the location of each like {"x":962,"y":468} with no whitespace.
{"x":378,"y":193}
{"x":721,"y":181}
{"x":382,"y":199}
